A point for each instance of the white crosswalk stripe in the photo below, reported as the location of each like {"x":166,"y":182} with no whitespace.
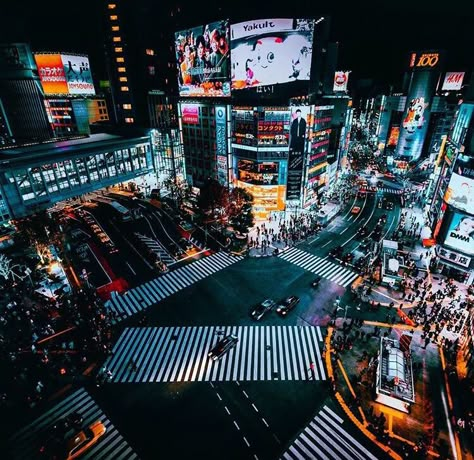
{"x":324,"y":438}
{"x":156,"y":248}
{"x":395,"y":191}
{"x":321,"y":267}
{"x":26,"y":442}
{"x":179,"y":354}
{"x":145,"y":295}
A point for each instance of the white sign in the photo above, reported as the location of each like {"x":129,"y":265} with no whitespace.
{"x":78,"y":74}
{"x":340,"y":81}
{"x":454,"y":257}
{"x":453,"y":81}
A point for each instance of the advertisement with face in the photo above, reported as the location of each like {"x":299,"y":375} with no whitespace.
{"x":51,"y":73}
{"x":202,"y":59}
{"x":461,"y":233}
{"x":271,"y":51}
{"x":340,"y":81}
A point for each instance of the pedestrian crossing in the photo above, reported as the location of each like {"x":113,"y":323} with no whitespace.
{"x":321,"y":267}
{"x":26,"y":442}
{"x":180,"y":354}
{"x":152,"y":292}
{"x":394,"y":191}
{"x":324,"y":438}
{"x":156,"y":248}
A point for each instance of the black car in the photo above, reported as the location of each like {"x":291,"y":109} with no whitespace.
{"x":315,"y":282}
{"x":389,"y":205}
{"x":222,"y":347}
{"x":288,"y":304}
{"x":262,"y":308}
{"x":362,"y":231}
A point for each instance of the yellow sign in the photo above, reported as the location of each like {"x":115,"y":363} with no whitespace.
{"x":424,"y":60}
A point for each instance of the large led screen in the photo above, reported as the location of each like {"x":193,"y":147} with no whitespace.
{"x":202,"y":59}
{"x":461,"y":233}
{"x":51,"y":73}
{"x":271,"y":51}
{"x":251,"y":172}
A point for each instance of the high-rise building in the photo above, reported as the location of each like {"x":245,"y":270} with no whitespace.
{"x":22,"y":99}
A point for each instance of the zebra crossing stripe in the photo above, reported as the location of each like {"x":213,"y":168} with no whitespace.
{"x":147,"y":294}
{"x":26,"y":442}
{"x":179,"y":354}
{"x":322,"y":267}
{"x":324,"y":438}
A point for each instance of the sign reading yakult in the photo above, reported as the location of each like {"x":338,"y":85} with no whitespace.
{"x":453,"y":81}
{"x":340,"y":81}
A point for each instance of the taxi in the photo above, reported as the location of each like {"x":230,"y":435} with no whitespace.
{"x":355,"y":210}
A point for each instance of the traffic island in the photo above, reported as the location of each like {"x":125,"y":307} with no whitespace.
{"x":353,"y":363}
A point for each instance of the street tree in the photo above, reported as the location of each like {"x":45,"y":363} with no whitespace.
{"x":5,"y":266}
{"x":213,"y":199}
{"x":240,"y":210}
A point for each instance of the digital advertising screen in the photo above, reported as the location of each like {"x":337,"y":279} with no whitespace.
{"x":340,"y":81}
{"x":251,"y":172}
{"x":393,"y":137}
{"x":203,"y":60}
{"x":51,"y":73}
{"x":461,"y":233}
{"x":190,"y":114}
{"x":273,"y":127}
{"x":270,"y":51}
{"x":460,"y":191}
{"x":244,"y":126}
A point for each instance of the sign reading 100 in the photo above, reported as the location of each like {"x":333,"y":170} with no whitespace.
{"x":424,"y":60}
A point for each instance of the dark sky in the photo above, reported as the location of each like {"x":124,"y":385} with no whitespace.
{"x":374,"y":37}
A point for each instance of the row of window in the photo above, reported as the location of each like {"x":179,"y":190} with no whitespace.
{"x":53,"y":178}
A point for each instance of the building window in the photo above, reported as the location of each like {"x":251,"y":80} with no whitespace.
{"x":117,"y":39}
{"x":123,"y":79}
{"x":113,"y":17}
{"x":124,"y":88}
{"x":120,"y":59}
{"x":115,"y":28}
{"x":111,"y":6}
{"x":150,"y":52}
{"x":118,"y":49}
{"x":121,"y":69}
{"x":129,"y":120}
{"x":127,"y":106}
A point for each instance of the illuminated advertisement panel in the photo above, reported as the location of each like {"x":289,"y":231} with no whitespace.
{"x":271,"y":51}
{"x":460,"y":191}
{"x":78,"y":74}
{"x":251,"y":172}
{"x":393,"y":138}
{"x":416,"y":115}
{"x":300,"y":121}
{"x":461,"y":233}
{"x":221,"y":145}
{"x":452,"y":81}
{"x":244,"y":129}
{"x":340,"y":81}
{"x":190,"y":114}
{"x":51,"y":73}
{"x":202,"y":59}
{"x":273,"y":127}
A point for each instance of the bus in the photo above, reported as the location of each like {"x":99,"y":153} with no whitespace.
{"x":119,"y":210}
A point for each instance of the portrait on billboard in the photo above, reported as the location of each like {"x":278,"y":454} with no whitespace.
{"x":414,"y":118}
{"x":202,"y":58}
{"x":298,"y":131}
{"x":460,"y":193}
{"x":271,"y":51}
{"x":461,"y":233}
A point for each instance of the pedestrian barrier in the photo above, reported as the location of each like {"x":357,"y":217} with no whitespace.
{"x":180,"y":354}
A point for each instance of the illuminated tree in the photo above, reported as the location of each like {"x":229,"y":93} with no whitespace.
{"x":240,"y":210}
{"x":5,"y":266}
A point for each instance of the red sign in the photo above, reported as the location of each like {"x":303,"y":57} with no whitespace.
{"x":190,"y":114}
{"x":429,"y":242}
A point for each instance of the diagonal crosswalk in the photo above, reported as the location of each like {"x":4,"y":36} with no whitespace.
{"x":179,"y":354}
{"x":152,"y":292}
{"x":26,"y":442}
{"x":324,"y":438}
{"x":321,"y":267}
{"x":156,"y":248}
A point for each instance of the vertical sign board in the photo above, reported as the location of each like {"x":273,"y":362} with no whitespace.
{"x":296,"y":155}
{"x":221,"y":145}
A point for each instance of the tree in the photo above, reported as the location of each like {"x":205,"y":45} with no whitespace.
{"x":213,"y":199}
{"x":5,"y":266}
{"x":240,"y":210}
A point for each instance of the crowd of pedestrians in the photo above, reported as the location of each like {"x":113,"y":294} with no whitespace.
{"x":48,"y":342}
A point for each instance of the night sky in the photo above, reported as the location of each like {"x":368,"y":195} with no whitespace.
{"x":374,"y":37}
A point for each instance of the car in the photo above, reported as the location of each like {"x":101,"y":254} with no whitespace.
{"x":262,"y":308}
{"x":84,"y":439}
{"x":315,"y":283}
{"x":222,"y":347}
{"x":287,"y":305}
{"x":362,"y":231}
{"x":389,"y":205}
{"x":355,"y":210}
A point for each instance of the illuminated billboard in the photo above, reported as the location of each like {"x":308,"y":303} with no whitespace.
{"x":425,"y":60}
{"x":271,"y":51}
{"x":452,"y":81}
{"x":64,"y":74}
{"x":190,"y":114}
{"x":460,"y":191}
{"x":273,"y":126}
{"x":340,"y":81}
{"x":461,"y":233}
{"x":202,"y":59}
{"x":393,"y":138}
{"x":251,"y":172}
